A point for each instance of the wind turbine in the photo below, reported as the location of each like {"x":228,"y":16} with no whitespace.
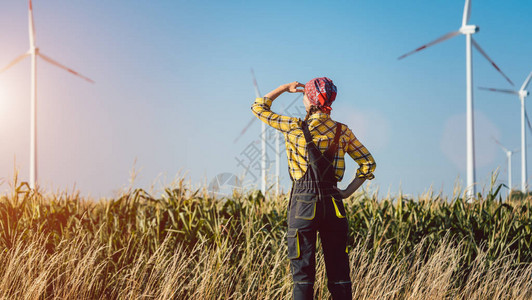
{"x":263,"y":156}
{"x":263,"y":140}
{"x":34,"y":52}
{"x":522,"y":93}
{"x":509,"y":154}
{"x":466,"y":30}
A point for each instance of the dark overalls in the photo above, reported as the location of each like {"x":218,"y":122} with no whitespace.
{"x":315,"y":206}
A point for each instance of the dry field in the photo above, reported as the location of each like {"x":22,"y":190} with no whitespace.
{"x":188,"y":245}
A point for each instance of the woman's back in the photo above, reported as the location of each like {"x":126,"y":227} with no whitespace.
{"x":322,"y":129}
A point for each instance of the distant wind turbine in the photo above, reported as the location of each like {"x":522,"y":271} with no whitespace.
{"x":263,"y":140}
{"x":263,"y":156}
{"x":263,"y":145}
{"x":522,"y":93}
{"x":466,"y":30}
{"x":509,"y":154}
{"x":34,"y":52}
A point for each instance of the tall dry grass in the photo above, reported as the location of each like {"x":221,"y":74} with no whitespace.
{"x":186,"y":244}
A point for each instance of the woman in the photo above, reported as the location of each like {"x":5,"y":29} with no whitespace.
{"x":315,"y":149}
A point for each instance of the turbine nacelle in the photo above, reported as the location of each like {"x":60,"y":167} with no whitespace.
{"x":469,"y":29}
{"x":523,"y":93}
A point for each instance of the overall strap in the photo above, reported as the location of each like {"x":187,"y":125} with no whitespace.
{"x":306,"y":132}
{"x":334,"y":147}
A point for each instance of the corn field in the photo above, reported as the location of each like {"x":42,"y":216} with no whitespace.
{"x":187,"y":244}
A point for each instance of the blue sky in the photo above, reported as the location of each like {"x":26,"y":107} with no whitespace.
{"x":173,"y":86}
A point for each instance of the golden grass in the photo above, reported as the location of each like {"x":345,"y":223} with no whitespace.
{"x":188,"y":245}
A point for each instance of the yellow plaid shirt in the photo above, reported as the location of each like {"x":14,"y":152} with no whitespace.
{"x":322,"y":128}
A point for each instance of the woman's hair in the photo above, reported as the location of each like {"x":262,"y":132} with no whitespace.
{"x":312,"y":109}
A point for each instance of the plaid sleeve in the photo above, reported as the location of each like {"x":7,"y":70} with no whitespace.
{"x":261,"y":109}
{"x":361,"y":155}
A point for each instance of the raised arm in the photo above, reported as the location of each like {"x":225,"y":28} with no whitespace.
{"x":261,"y":107}
{"x":289,"y":87}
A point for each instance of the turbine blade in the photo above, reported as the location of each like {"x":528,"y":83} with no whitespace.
{"x":31,"y":26}
{"x":467,"y":12}
{"x":491,"y":61}
{"x":53,"y":62}
{"x":527,"y":81}
{"x":436,"y":41}
{"x":500,"y":90}
{"x":257,"y":92}
{"x":245,"y":129}
{"x":499,"y":143}
{"x":15,"y":61}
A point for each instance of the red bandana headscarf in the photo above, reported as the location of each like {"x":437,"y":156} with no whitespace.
{"x":321,"y":92}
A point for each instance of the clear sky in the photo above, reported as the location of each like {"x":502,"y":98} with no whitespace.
{"x":173,"y":87}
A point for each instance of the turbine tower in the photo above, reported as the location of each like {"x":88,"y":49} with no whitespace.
{"x":468,"y":31}
{"x":34,"y":52}
{"x":522,"y":93}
